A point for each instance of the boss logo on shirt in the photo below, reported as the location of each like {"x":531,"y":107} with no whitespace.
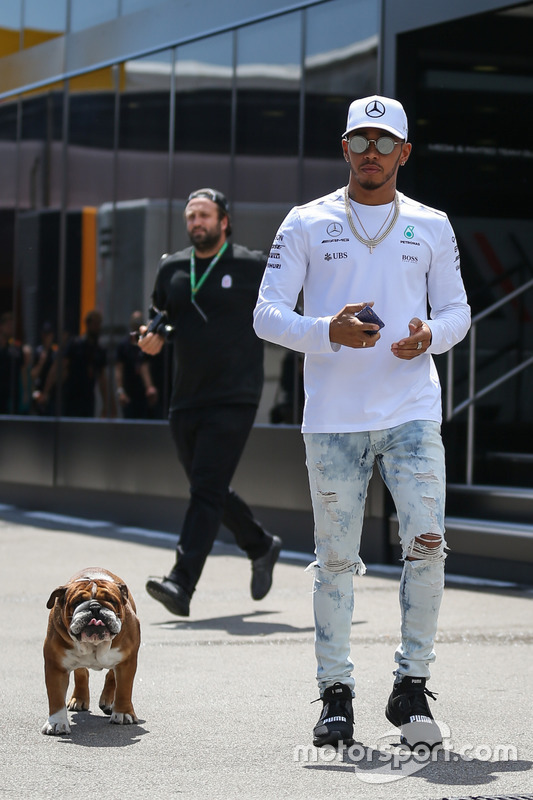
{"x":410,"y":259}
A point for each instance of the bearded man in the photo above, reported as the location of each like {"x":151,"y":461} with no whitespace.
{"x":208,"y":292}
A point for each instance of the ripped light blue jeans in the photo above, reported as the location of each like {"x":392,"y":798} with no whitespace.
{"x":410,"y":458}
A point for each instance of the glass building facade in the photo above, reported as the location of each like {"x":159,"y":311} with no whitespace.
{"x":111,"y":113}
{"x":467,"y":84}
{"x":97,"y":161}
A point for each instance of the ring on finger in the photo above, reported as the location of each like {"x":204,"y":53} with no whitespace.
{"x":419,"y":345}
{"x":364,"y":344}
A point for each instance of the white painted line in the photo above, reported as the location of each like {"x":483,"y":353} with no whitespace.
{"x":467,"y":580}
{"x":292,"y":554}
{"x":451,"y":578}
{"x":149,"y":534}
{"x":296,"y":556}
{"x":64,"y":520}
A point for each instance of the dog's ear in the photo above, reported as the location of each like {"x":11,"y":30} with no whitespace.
{"x":57,"y":594}
{"x":124,"y":591}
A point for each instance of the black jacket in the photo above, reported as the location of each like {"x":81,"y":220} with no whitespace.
{"x":220,"y":360}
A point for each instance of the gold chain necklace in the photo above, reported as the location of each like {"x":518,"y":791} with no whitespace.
{"x":371,"y":241}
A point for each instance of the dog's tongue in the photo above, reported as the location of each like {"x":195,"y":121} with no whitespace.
{"x":96,"y":622}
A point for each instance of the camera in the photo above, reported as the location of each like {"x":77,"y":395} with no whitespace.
{"x":158,"y":324}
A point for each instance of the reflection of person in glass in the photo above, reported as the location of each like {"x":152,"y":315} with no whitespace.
{"x":371,"y":396}
{"x":11,"y":364}
{"x":83,"y":369}
{"x":45,"y":355}
{"x":208,"y":292}
{"x":85,"y":362}
{"x":289,"y":399}
{"x":136,"y":394}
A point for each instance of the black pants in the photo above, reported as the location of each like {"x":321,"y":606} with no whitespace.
{"x":210,"y":442}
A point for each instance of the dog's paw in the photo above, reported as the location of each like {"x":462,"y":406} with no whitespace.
{"x":57,"y":724}
{"x":122,"y":719}
{"x":78,"y":704}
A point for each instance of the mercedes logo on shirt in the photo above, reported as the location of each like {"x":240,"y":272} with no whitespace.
{"x":334,"y":229}
{"x":375,"y":109}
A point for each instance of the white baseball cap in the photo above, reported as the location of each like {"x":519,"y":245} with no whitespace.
{"x":377,"y":112}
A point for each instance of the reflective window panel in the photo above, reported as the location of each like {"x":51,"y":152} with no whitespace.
{"x":10,"y":25}
{"x":43,"y":20}
{"x":202,"y":120}
{"x":201,"y":124}
{"x":138,"y":225}
{"x":85,"y":14}
{"x":469,"y":109}
{"x":37,"y":273}
{"x":268,"y":112}
{"x":340,"y":66}
{"x":143,"y":129}
{"x":91,"y":176}
{"x":130,"y":6}
{"x":10,"y":366}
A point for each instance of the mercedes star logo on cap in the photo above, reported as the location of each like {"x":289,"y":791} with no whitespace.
{"x":375,"y":109}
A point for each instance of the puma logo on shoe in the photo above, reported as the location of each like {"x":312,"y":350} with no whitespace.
{"x":336,"y":720}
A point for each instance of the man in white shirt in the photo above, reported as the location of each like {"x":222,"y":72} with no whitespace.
{"x":372,"y":394}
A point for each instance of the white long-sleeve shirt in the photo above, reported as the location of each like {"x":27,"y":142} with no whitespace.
{"x":417,"y":265}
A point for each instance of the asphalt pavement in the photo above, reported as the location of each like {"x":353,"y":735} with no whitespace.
{"x":224,"y":697}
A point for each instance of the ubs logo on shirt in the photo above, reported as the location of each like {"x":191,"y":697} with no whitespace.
{"x":329,"y":256}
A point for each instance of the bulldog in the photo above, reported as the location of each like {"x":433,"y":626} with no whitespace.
{"x":92,"y":625}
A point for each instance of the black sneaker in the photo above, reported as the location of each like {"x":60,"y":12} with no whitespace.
{"x":262,"y":569}
{"x":171,"y":595}
{"x":408,"y":709}
{"x":336,"y":720}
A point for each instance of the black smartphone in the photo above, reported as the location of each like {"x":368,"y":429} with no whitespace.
{"x":368,"y":315}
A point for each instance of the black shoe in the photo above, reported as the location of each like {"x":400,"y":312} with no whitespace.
{"x":408,"y":709}
{"x":336,"y":720}
{"x":171,"y":595}
{"x":262,"y":569}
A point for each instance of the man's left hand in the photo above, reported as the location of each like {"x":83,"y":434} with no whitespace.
{"x":416,"y":343}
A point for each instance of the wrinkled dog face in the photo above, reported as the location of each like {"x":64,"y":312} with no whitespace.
{"x":97,"y":617}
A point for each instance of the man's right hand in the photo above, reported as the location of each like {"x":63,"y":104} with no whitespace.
{"x":346,"y":329}
{"x":150,"y":343}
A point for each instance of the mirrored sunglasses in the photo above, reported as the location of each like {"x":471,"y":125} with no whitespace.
{"x":384,"y":145}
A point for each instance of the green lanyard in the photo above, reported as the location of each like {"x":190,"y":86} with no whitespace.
{"x":195,"y":287}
